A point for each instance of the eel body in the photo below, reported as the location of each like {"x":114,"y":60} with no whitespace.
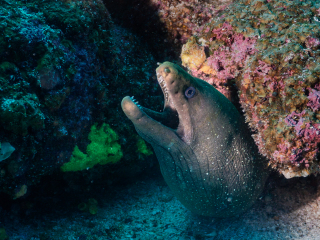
{"x":205,"y":151}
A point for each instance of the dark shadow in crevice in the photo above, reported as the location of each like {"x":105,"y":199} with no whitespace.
{"x":141,"y":18}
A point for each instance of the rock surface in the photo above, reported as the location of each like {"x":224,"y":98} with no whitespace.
{"x":270,"y":51}
{"x":64,"y":68}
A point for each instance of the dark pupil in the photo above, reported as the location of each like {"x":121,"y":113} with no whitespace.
{"x":189,"y":93}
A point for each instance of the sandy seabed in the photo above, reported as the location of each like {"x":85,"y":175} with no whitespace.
{"x":146,"y":209}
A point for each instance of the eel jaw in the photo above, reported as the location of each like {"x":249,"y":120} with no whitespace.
{"x":131,"y":109}
{"x":173,"y":81}
{"x":147,"y":127}
{"x":175,"y":116}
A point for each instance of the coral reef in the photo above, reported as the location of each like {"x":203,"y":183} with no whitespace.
{"x":65,"y":66}
{"x":270,"y":50}
{"x":20,"y":114}
{"x":165,"y":24}
{"x":182,"y":19}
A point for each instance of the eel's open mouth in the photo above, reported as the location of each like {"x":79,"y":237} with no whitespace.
{"x":169,"y":116}
{"x":175,"y":113}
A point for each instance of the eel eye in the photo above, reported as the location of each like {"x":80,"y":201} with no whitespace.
{"x":167,"y":70}
{"x":189,"y":93}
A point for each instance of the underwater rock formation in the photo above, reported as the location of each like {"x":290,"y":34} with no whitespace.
{"x":205,"y":151}
{"x":271,"y":51}
{"x":167,"y":24}
{"x":182,"y":19}
{"x":64,"y":68}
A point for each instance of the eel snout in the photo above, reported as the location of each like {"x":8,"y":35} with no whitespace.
{"x":175,"y":115}
{"x":132,"y":111}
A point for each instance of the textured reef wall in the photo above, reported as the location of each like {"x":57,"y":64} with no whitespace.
{"x":166,"y":23}
{"x":64,"y":68}
{"x":182,"y":19}
{"x":65,"y":65}
{"x":270,"y":50}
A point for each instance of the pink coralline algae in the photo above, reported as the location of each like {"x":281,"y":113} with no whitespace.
{"x":312,"y":42}
{"x":270,"y":50}
{"x":314,"y":100}
{"x":183,"y":18}
{"x":227,"y":60}
{"x":308,"y":136}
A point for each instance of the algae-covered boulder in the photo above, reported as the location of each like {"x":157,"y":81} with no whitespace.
{"x":270,"y":50}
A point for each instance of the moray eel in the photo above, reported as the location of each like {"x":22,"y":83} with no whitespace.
{"x":205,"y":151}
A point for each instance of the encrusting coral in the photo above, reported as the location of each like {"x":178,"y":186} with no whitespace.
{"x":270,"y":50}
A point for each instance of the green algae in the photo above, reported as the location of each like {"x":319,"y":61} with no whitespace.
{"x":142,"y":147}
{"x":103,"y":149}
{"x":90,"y":206}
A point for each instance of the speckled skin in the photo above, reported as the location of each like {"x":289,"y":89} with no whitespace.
{"x":205,"y":151}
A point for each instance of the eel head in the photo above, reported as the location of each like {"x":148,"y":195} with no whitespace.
{"x":182,"y":108}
